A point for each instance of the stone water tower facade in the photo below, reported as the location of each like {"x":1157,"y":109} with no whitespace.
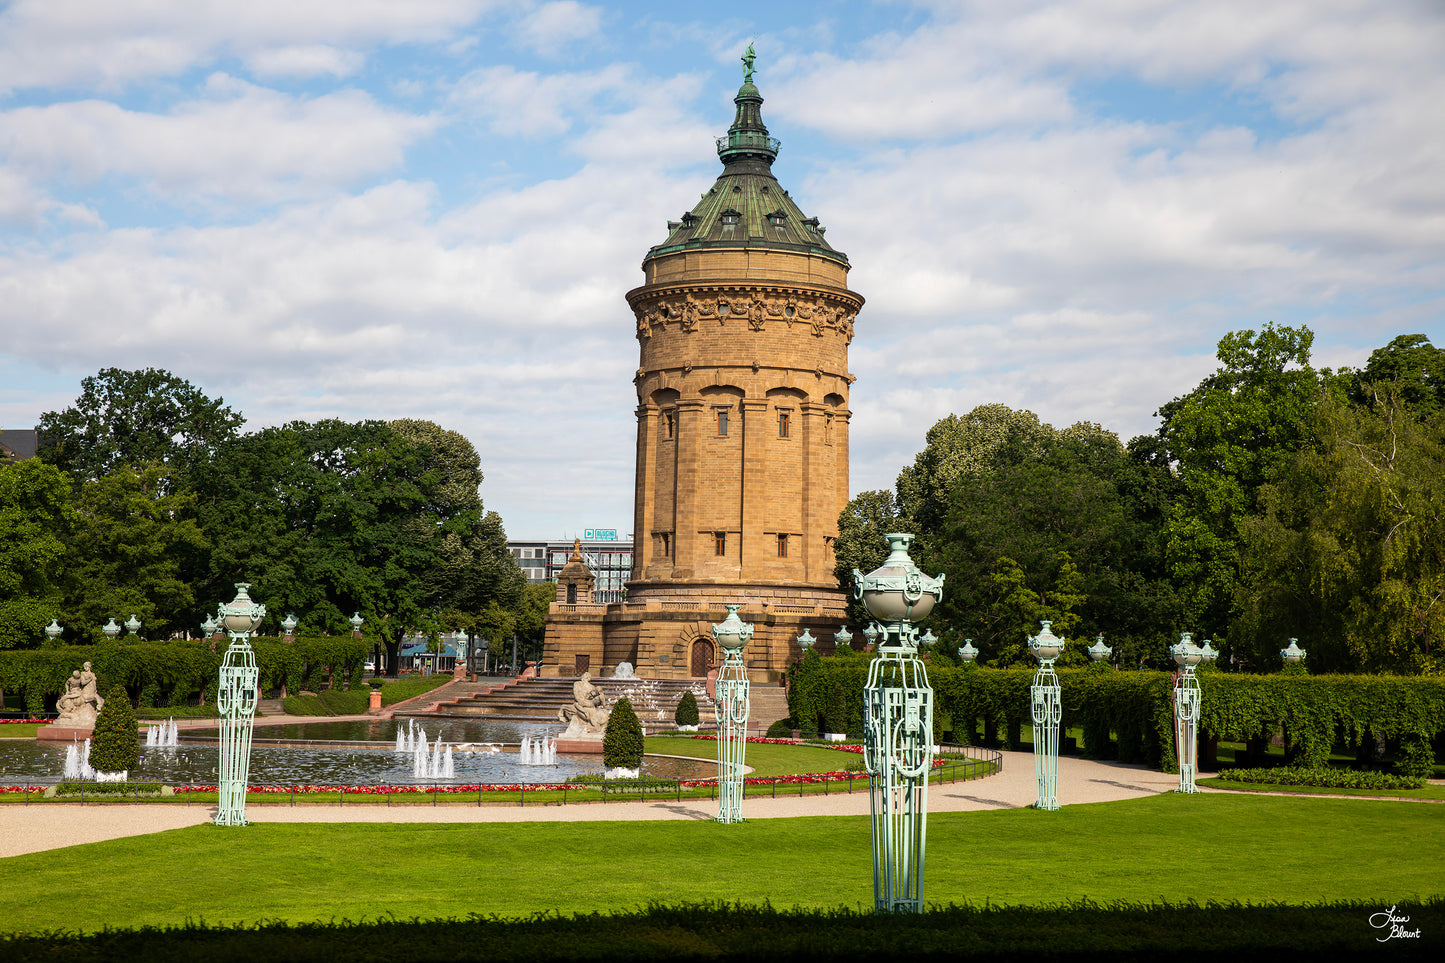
{"x":744,"y":321}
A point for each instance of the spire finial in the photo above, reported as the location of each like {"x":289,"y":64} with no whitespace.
{"x":748,"y":59}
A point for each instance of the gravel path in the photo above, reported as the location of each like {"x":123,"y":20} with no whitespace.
{"x":32,"y":829}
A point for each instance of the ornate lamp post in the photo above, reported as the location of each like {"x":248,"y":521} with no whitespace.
{"x":1186,"y":711}
{"x":132,"y":625}
{"x":53,"y":630}
{"x":732,"y":715}
{"x":806,"y":641}
{"x":871,"y":634}
{"x":842,"y":638}
{"x":898,"y":717}
{"x":110,"y":629}
{"x":1292,"y":654}
{"x":1100,"y":652}
{"x":967,"y":652}
{"x":288,"y":626}
{"x":1048,"y":708}
{"x":236,"y":699}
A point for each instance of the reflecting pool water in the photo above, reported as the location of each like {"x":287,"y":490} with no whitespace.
{"x":373,"y":762}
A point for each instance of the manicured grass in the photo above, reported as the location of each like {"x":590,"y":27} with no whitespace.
{"x":1260,"y":849}
{"x":763,"y":758}
{"x":19,"y":730}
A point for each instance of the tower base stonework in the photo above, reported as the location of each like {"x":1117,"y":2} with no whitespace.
{"x":672,"y":638}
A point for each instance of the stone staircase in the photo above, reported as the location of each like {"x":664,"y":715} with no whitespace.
{"x":766,"y":705}
{"x":538,"y":700}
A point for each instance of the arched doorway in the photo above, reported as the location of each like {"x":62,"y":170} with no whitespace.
{"x":701,"y":656}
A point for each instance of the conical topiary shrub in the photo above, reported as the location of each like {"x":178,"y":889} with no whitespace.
{"x":622,"y":740}
{"x":686,"y":712}
{"x":115,"y":744}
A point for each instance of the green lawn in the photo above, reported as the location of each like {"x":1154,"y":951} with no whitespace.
{"x":19,"y":730}
{"x":1168,"y":847}
{"x":763,"y":758}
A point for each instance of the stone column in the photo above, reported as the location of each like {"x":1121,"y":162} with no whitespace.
{"x":753,"y":548}
{"x":690,"y":418}
{"x":644,"y":491}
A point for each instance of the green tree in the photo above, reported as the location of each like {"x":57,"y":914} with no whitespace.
{"x":114,"y":745}
{"x":622,"y":739}
{"x":1228,"y":436}
{"x":1347,"y":550}
{"x":1411,"y":368}
{"x":36,"y":518}
{"x":134,"y":531}
{"x":134,"y":418}
{"x":861,"y":544}
{"x":960,"y":446}
{"x":1072,"y":523}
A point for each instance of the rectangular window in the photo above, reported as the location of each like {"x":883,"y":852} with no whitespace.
{"x":782,"y":545}
{"x":782,"y":424}
{"x":666,"y":544}
{"x":720,"y":542}
{"x":722,"y":422}
{"x":671,"y":420}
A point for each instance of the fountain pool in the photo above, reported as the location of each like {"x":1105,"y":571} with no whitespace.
{"x":356,"y":753}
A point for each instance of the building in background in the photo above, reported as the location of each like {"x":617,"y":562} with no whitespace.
{"x":608,"y":557}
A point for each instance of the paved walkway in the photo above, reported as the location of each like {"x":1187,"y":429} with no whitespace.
{"x":30,"y":829}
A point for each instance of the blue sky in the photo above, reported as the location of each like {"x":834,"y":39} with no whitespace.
{"x":432,"y":209}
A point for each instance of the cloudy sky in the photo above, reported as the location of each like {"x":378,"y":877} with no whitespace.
{"x":433,"y":208}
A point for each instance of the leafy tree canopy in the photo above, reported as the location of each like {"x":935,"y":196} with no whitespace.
{"x":135,"y":417}
{"x":36,"y":518}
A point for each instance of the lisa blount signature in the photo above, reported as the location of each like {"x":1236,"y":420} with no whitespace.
{"x":1386,"y":919}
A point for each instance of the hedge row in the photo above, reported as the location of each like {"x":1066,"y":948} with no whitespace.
{"x":180,"y":672}
{"x":1136,"y":708}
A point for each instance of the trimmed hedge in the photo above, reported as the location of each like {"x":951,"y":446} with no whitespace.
{"x":1323,"y":778}
{"x":622,"y":739}
{"x":160,"y":674}
{"x":115,"y":744}
{"x":686,"y":712}
{"x":1136,"y":708}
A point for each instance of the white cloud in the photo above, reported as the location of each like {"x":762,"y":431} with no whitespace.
{"x":551,"y":27}
{"x":45,"y":43}
{"x":305,"y":60}
{"x":241,"y":143}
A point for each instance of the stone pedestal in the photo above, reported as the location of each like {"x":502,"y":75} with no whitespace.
{"x":580,"y":746}
{"x":63,"y":733}
{"x":375,"y":704}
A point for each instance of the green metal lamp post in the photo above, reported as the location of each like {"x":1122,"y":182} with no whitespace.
{"x":110,"y":629}
{"x":968,"y":651}
{"x":1048,"y":707}
{"x":132,"y":625}
{"x":898,"y":718}
{"x":1186,"y":655}
{"x":236,"y":700}
{"x":732,"y":715}
{"x":54,"y":630}
{"x":842,"y":638}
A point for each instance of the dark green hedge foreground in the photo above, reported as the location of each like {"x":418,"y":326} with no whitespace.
{"x":1079,"y":931}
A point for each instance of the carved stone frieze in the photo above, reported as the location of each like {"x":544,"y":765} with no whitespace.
{"x":686,"y":310}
